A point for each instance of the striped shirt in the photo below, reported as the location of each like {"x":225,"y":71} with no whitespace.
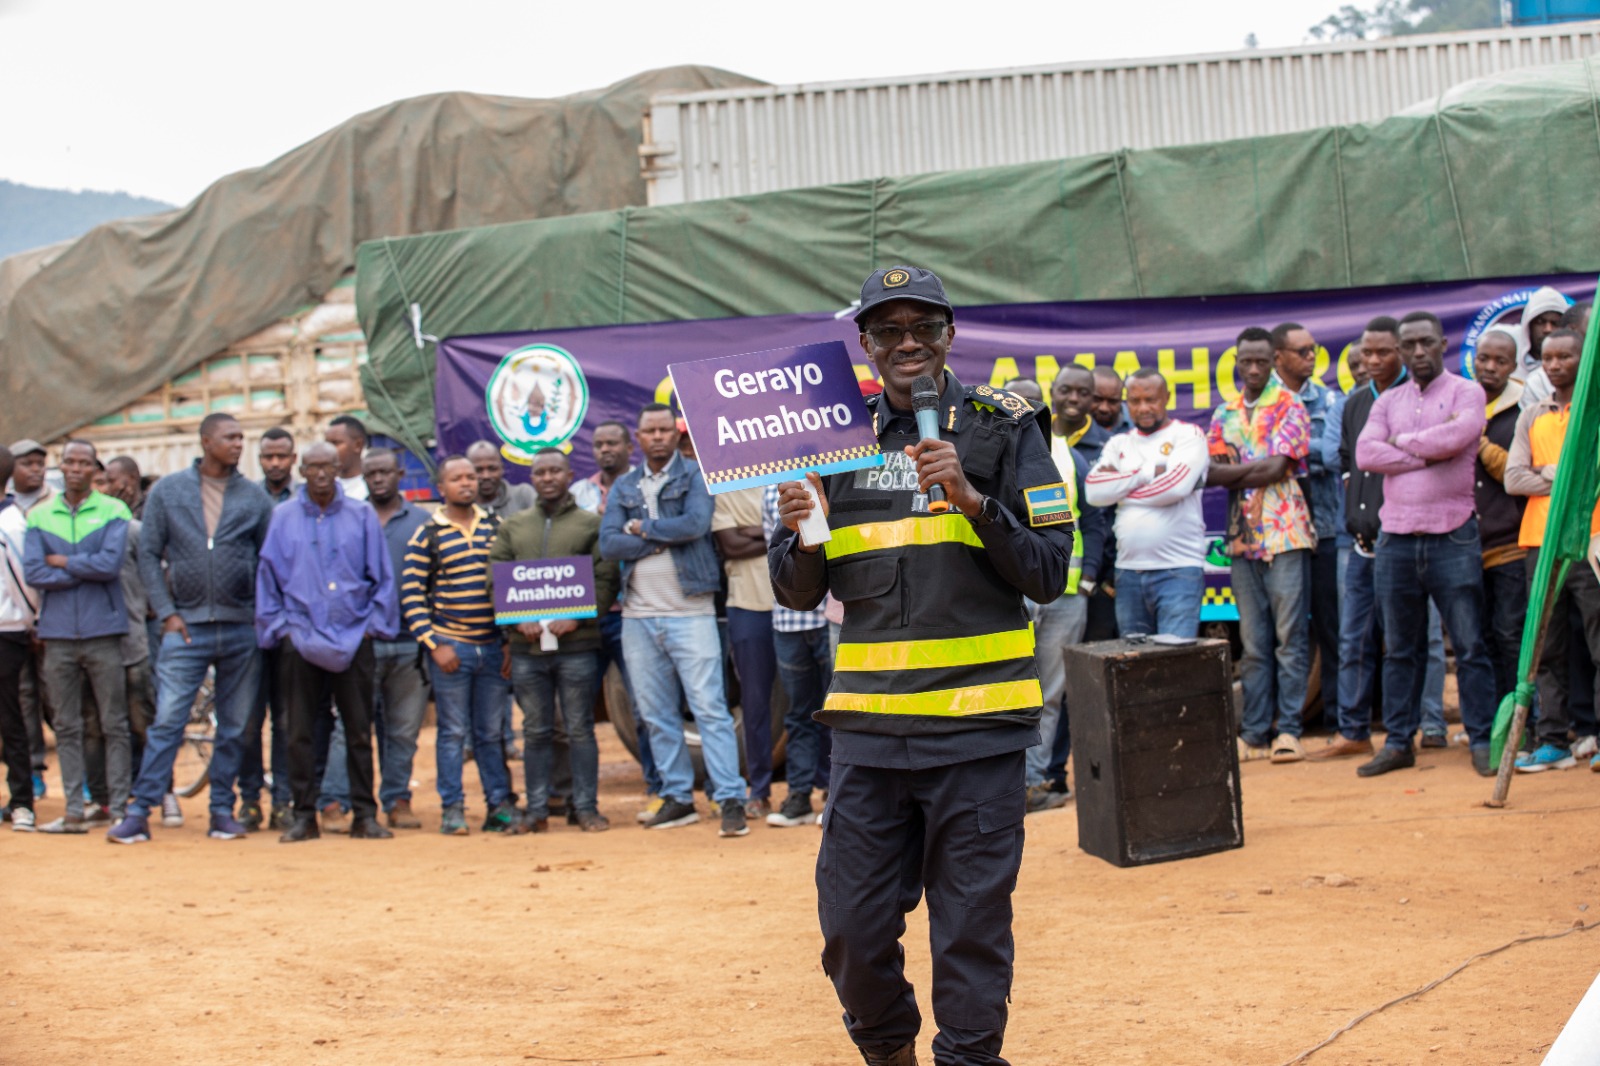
{"x":786,"y":619}
{"x":455,"y":561}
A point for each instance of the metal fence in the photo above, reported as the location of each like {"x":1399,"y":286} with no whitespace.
{"x":706,"y":145}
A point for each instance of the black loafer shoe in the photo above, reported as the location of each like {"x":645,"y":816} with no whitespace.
{"x":1386,"y":760}
{"x":1480,"y":763}
{"x":304,"y":827}
{"x":367,"y":827}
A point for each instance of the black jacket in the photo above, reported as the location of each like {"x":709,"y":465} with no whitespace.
{"x":1363,"y":492}
{"x":932,"y":603}
{"x":1499,"y":512}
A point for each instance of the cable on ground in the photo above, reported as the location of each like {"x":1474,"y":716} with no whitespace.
{"x":1578,"y":927}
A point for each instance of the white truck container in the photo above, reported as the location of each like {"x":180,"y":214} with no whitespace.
{"x":706,"y":145}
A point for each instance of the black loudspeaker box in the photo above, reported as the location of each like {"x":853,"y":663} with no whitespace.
{"x":1153,"y":756}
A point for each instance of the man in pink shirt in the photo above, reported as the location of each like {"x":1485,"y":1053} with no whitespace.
{"x":1422,"y":436}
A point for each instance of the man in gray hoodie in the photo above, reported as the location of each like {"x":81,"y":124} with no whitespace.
{"x":207,"y":525}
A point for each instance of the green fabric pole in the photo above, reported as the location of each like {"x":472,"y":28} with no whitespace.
{"x":1566,"y":534}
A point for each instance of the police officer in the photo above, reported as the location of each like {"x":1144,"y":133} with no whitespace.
{"x":935,"y":695}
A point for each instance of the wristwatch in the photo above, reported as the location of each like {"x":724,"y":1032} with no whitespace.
{"x":988,"y":512}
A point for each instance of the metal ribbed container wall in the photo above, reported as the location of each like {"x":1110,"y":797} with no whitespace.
{"x":706,"y":145}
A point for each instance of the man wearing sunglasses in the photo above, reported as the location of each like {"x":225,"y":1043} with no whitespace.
{"x":1295,"y":363}
{"x":935,"y":695}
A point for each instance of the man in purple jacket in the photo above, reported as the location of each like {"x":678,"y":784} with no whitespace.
{"x":324,"y":591}
{"x":1422,"y":436}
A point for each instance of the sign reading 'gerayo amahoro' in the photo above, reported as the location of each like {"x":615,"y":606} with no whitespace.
{"x":766,"y":417}
{"x":543,"y":590}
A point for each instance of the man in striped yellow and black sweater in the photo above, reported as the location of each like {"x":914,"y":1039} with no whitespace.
{"x":445,"y":602}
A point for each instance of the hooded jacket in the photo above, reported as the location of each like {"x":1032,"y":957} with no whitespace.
{"x":1529,"y":372}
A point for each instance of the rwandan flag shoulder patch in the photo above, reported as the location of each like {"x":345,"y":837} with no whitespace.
{"x":1048,"y":505}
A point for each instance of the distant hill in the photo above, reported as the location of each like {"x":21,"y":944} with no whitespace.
{"x":31,"y":217}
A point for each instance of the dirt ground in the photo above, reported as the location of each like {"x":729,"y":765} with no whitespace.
{"x":681,"y":948}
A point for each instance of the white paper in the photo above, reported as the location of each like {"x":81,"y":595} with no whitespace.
{"x":814,"y":529}
{"x":548,"y":640}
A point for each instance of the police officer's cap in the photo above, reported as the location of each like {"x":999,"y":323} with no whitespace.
{"x":902,"y":283}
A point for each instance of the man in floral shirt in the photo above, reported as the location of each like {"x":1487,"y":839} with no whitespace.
{"x":1258,"y":444}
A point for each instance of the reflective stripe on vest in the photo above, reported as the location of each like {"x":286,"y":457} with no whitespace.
{"x":922,"y":654}
{"x":951,"y":528}
{"x":950,"y":702}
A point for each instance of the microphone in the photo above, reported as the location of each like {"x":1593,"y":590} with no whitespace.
{"x":925,"y":402}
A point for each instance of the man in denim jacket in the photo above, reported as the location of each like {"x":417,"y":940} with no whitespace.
{"x":658,"y":525}
{"x":1295,"y":362}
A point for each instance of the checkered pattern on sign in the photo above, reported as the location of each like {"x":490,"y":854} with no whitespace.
{"x":783,"y":466}
{"x":1217,"y":598}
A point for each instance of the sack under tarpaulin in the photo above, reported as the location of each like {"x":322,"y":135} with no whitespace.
{"x":134,"y":303}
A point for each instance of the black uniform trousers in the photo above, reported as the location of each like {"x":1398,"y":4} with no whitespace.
{"x":15,"y":654}
{"x":955,"y":832}
{"x":304,"y":688}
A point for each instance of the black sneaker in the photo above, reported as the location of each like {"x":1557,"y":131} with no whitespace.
{"x":733,"y":819}
{"x":673,"y":814}
{"x":503,"y":818}
{"x":796,"y":810}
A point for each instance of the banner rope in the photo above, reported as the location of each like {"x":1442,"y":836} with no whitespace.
{"x":1450,"y":182}
{"x":1119,"y":161}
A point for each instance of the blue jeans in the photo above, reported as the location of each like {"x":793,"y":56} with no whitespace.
{"x":1273,"y":597}
{"x":755,"y":661}
{"x":805,"y":667}
{"x":662,"y":652}
{"x":1360,"y":640}
{"x":1160,"y":601}
{"x":231,"y":648}
{"x":1447,"y":568}
{"x":1059,"y":623}
{"x":472,"y":698}
{"x":611,"y":651}
{"x":541,"y":682}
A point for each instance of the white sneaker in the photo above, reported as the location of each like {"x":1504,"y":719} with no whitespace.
{"x":171,"y":813}
{"x":21,"y":820}
{"x":1585,"y":748}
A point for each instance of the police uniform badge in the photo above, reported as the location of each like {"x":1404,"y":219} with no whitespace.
{"x":895,"y":279}
{"x":1048,"y":505}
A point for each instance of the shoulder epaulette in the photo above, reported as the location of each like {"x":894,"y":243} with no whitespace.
{"x":1018,"y":407}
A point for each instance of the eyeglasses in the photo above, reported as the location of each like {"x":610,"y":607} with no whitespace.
{"x":1305,"y":353}
{"x":927,"y":332}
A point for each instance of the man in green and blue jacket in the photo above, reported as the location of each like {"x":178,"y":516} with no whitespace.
{"x":73,"y":556}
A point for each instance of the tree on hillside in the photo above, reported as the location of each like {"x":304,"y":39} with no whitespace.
{"x":1393,"y":18}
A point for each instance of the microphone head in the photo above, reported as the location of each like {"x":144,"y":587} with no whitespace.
{"x":924,"y":394}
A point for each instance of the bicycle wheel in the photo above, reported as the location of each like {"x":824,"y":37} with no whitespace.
{"x":191,"y":770}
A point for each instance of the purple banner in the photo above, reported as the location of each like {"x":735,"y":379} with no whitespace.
{"x":765,"y":417}
{"x":542,"y":590}
{"x":552,"y":387}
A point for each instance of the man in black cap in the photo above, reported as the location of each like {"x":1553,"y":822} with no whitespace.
{"x":935,"y":694}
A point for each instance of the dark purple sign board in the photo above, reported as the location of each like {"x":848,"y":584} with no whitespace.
{"x":769,"y":416}
{"x":543,"y":590}
{"x":532,"y":379}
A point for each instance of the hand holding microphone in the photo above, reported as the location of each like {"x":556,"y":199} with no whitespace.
{"x":939,"y":472}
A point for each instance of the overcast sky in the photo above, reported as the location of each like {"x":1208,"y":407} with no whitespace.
{"x":162,"y":97}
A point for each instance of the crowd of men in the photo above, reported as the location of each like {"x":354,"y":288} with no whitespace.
{"x":327,"y":609}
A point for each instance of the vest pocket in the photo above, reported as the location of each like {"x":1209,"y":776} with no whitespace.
{"x":862,"y":579}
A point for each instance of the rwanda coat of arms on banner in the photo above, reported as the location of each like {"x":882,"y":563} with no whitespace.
{"x":537,"y":398}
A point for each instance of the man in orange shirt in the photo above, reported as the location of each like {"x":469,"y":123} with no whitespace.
{"x":1531,"y":471}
